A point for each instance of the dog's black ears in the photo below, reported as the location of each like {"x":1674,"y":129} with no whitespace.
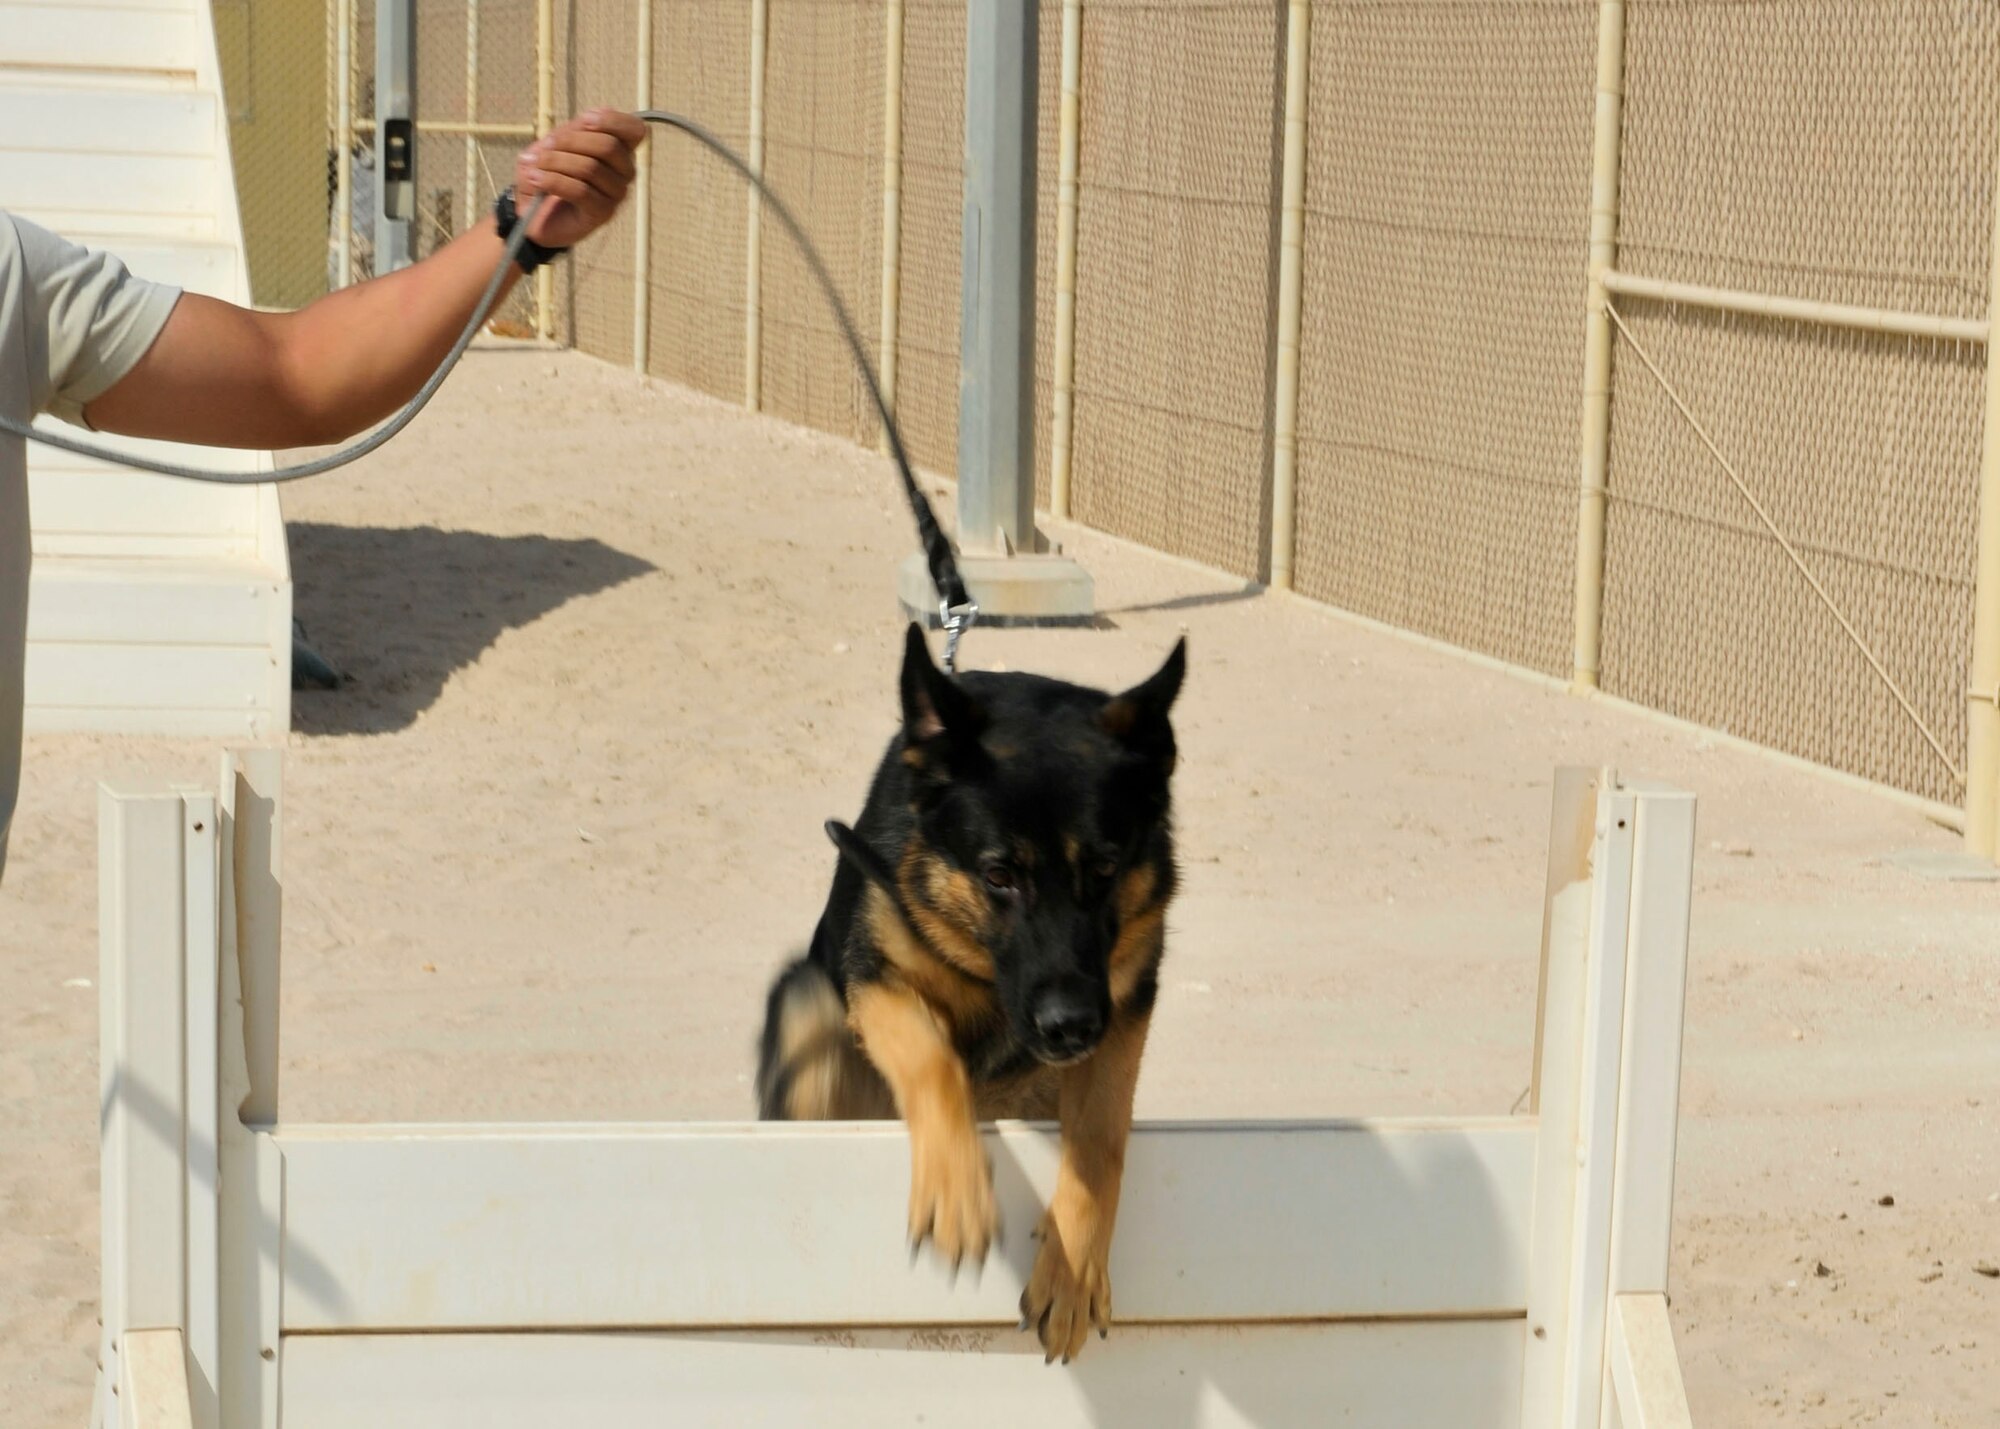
{"x":1139,"y":716}
{"x":934,"y":705}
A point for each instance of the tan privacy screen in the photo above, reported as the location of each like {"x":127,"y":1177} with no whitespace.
{"x":701,"y":68}
{"x":933,"y":204}
{"x":1830,"y":152}
{"x":823,"y":154}
{"x":1176,"y":270}
{"x":1842,"y":154}
{"x":1047,"y":172}
{"x":595,"y":314}
{"x":1447,"y":196}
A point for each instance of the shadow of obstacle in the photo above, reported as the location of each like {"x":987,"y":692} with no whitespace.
{"x":399,"y":610}
{"x":305,"y":1272}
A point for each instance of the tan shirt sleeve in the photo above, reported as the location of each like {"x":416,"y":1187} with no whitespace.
{"x":89,"y":321}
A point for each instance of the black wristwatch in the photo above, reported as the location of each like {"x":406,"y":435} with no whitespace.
{"x":532,"y":255}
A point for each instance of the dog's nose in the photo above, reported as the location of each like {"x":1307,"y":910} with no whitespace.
{"x":1068,"y":1021}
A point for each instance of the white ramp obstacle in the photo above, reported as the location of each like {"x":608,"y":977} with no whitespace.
{"x":1425,"y":1272}
{"x":158,"y":606}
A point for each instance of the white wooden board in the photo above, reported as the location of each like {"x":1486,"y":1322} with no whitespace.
{"x":1645,"y":1372}
{"x":219,"y":602}
{"x":148,"y":677}
{"x":153,"y":1382}
{"x":112,"y":134}
{"x":76,"y":34}
{"x":250,"y":726}
{"x":118,"y":183}
{"x":617,"y":1226}
{"x":122,"y":122}
{"x":1446,"y":1375}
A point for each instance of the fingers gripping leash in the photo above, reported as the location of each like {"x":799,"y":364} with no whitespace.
{"x":956,"y":608}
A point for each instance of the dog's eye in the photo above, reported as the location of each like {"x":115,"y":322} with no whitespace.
{"x":1000,"y":878}
{"x":1105,"y":868}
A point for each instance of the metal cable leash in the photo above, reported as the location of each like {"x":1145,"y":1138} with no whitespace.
{"x":956,"y":608}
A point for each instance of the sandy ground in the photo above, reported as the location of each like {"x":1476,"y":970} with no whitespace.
{"x":617,"y":652}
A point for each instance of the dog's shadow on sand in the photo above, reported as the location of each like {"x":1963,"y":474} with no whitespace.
{"x":399,"y":610}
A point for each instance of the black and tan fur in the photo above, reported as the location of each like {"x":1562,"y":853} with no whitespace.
{"x":991,"y":948}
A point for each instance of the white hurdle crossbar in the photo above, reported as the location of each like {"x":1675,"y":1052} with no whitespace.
{"x":1495,"y":1271}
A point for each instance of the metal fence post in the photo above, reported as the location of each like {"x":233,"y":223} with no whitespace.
{"x":1291,"y":289}
{"x":1982,"y":717}
{"x":642,"y":207}
{"x":1008,"y":580}
{"x":1596,"y":441}
{"x":892,"y":202}
{"x":395,"y":132}
{"x":996,"y":440}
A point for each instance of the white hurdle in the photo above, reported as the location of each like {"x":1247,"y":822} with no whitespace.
{"x":1506,"y":1272}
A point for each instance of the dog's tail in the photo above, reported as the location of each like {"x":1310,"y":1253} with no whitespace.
{"x":809,"y":1067}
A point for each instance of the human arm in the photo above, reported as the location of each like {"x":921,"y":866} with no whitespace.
{"x":226,"y":376}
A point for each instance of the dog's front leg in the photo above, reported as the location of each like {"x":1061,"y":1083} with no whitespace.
{"x":1070,"y":1289}
{"x":951,"y":1182}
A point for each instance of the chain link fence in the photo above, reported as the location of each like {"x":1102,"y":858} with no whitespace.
{"x":595,"y":66}
{"x":1836,"y":154}
{"x":476,"y":85}
{"x":1176,"y":257}
{"x":1441,"y":366}
{"x":1844,"y":154}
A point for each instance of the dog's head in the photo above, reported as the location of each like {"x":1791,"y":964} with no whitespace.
{"x":1041,"y":858}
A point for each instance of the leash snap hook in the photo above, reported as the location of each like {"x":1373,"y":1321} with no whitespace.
{"x":956,"y":619}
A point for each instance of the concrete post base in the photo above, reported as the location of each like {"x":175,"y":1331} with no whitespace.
{"x":1009,"y":590}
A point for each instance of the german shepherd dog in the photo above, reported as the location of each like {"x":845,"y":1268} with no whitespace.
{"x":991,"y":948}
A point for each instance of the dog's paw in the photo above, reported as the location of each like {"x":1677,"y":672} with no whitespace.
{"x":1069,"y":1292}
{"x":951,"y":1199}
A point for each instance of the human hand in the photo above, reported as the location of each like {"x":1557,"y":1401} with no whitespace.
{"x":584,"y":166}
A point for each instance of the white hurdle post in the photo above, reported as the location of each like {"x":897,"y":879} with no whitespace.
{"x":1606,"y":1097}
{"x":1485,"y":1273}
{"x":157,"y":896}
{"x":188,"y":1020}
